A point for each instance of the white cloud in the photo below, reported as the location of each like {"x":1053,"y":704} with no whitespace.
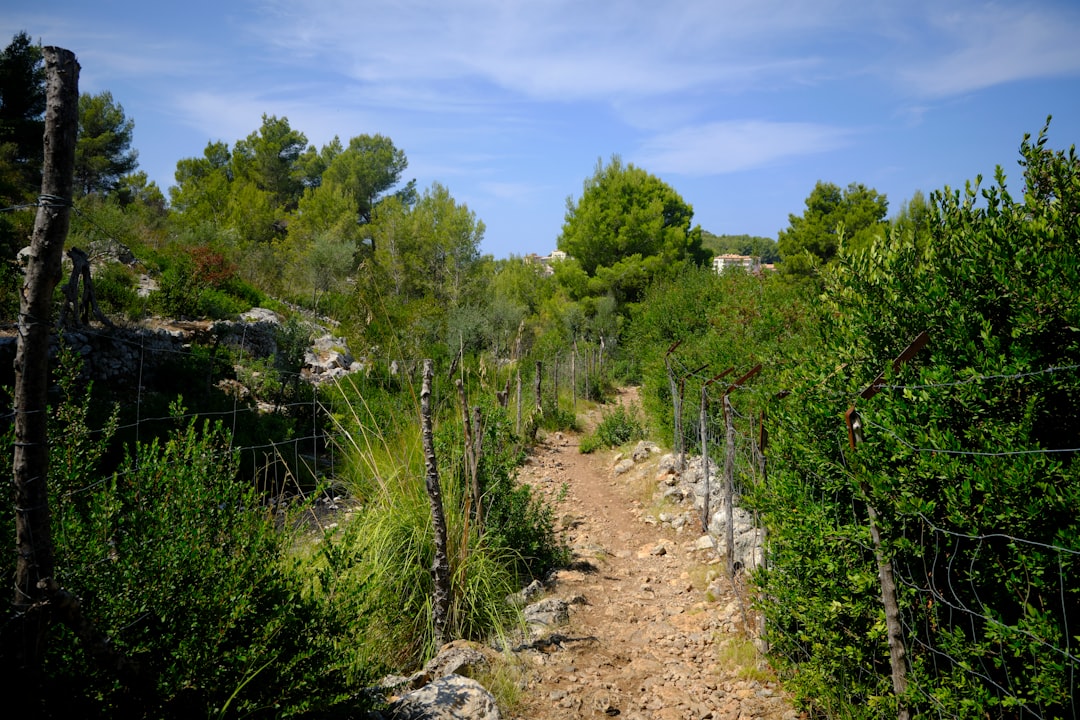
{"x":727,"y":147}
{"x":552,"y":50}
{"x":989,"y":44}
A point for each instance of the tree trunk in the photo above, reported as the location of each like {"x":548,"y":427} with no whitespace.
{"x":893,"y":626}
{"x":517,"y":425}
{"x":539,"y":398}
{"x":704,"y":432}
{"x":33,"y":538}
{"x":729,"y":483}
{"x":440,"y":570}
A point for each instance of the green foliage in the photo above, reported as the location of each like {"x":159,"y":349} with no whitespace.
{"x":618,"y":426}
{"x":425,"y":265}
{"x":627,"y":228}
{"x":193,"y":580}
{"x":115,"y":287}
{"x":855,"y":214}
{"x":762,"y":247}
{"x":103,"y":152}
{"x":967,"y":459}
{"x":202,"y":283}
{"x":22,"y":127}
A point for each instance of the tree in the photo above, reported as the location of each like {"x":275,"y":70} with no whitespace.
{"x":856,"y":213}
{"x":270,"y":158}
{"x":22,"y":107}
{"x":424,"y":266}
{"x":367,"y":170}
{"x":103,"y":154}
{"x":628,"y":228}
{"x":762,"y":247}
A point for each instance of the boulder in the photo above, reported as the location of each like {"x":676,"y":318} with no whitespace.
{"x":549,"y":612}
{"x":449,"y":698}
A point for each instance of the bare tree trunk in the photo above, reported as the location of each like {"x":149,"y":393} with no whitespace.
{"x":517,"y":426}
{"x":676,"y":408}
{"x":440,"y":570}
{"x":729,"y":483}
{"x":470,"y":449}
{"x":555,"y":381}
{"x":703,"y":430}
{"x":893,"y":626}
{"x":539,"y":380}
{"x":33,"y":534}
{"x":573,"y":378}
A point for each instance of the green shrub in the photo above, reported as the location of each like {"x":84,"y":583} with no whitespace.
{"x":115,"y":287}
{"x":618,"y":426}
{"x":192,"y":579}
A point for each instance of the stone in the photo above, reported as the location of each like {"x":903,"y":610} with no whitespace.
{"x":449,"y":698}
{"x":549,"y":612}
{"x":623,"y":467}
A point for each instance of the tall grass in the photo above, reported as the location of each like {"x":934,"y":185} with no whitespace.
{"x":392,"y":539}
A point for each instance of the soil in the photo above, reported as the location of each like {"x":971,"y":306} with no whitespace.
{"x":656,"y":630}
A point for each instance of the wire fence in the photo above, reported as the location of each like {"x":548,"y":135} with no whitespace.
{"x":973,"y":605}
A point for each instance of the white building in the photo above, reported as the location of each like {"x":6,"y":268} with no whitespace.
{"x":750,"y":263}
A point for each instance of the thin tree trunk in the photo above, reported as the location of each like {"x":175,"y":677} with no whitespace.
{"x":440,"y":570}
{"x":893,"y":626}
{"x":517,"y":426}
{"x":573,"y":378}
{"x":729,"y":483}
{"x":538,"y":381}
{"x":703,"y":430}
{"x":33,"y":534}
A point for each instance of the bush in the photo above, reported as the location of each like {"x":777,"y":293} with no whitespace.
{"x":192,"y":579}
{"x":115,"y":288}
{"x":618,"y":427}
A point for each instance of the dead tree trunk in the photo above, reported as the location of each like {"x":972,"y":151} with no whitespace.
{"x":470,"y":449}
{"x":539,"y":380}
{"x":79,"y":308}
{"x":517,"y":425}
{"x":33,"y":536}
{"x":440,"y":570}
{"x":729,"y":483}
{"x":703,"y":429}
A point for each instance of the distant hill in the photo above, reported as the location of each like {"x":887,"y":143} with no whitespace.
{"x":763,"y":247}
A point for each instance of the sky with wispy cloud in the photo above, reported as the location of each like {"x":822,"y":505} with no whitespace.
{"x":740,"y":105}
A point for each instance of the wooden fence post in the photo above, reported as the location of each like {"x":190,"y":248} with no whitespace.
{"x":676,"y":407}
{"x":539,"y":379}
{"x":33,"y":532}
{"x":704,"y":431}
{"x":440,"y":570}
{"x":893,"y":626}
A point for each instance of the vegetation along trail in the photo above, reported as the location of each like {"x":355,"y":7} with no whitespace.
{"x":655,"y":631}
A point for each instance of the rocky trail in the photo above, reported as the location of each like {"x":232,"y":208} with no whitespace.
{"x":650,"y":628}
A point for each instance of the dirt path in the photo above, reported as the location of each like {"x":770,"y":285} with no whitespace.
{"x":654,"y":631}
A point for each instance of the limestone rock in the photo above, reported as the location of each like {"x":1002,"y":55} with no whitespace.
{"x":449,"y":698}
{"x":549,"y":612}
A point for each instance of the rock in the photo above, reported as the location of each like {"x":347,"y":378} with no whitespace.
{"x":526,"y":594}
{"x":643,"y":450}
{"x":623,"y":467}
{"x":460,"y":657}
{"x":705,"y":542}
{"x":449,"y":698}
{"x":549,"y":612}
{"x":260,"y":315}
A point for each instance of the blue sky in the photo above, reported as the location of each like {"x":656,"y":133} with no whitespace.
{"x":740,"y":105}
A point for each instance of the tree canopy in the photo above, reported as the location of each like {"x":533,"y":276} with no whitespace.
{"x":22,"y":107}
{"x":103,"y":153}
{"x":627,"y":228}
{"x":856,"y":213}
